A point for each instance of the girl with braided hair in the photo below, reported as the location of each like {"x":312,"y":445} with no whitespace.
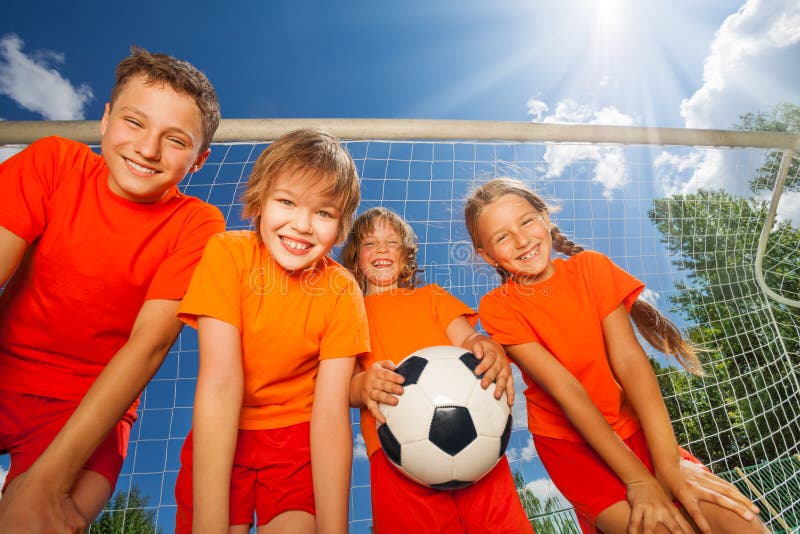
{"x":566,"y":323}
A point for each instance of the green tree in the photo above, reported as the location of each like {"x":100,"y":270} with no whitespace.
{"x":549,"y":517}
{"x":713,"y":237}
{"x":127,"y":513}
{"x":785,"y":117}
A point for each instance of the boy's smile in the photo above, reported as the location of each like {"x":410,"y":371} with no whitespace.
{"x":299,"y":223}
{"x":151,"y":138}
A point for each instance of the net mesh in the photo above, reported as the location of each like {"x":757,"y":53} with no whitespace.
{"x":694,"y":249}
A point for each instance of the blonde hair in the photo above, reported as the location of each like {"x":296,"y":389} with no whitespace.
{"x":303,"y":151}
{"x":365,"y":225}
{"x":659,"y":331}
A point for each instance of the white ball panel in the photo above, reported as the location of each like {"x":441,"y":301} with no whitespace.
{"x":478,"y":458}
{"x":427,"y":462}
{"x":489,"y":414}
{"x":410,"y":419}
{"x":448,"y":382}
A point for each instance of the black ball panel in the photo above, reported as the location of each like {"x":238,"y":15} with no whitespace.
{"x":411,"y":369}
{"x":471,"y":361}
{"x":452,"y":485}
{"x":505,"y":436}
{"x":389,"y":443}
{"x":452,"y":429}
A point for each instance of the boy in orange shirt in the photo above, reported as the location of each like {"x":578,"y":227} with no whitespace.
{"x":103,"y":248}
{"x":279,"y":325}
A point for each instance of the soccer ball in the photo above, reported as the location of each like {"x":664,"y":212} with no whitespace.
{"x":447,"y":431}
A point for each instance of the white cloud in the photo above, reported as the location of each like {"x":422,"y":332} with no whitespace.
{"x":31,"y":82}
{"x":3,"y":474}
{"x":7,"y":151}
{"x":749,"y":66}
{"x":788,"y":206}
{"x":650,"y":296}
{"x":544,"y":489}
{"x":359,"y":448}
{"x":609,"y":165}
{"x":525,"y":454}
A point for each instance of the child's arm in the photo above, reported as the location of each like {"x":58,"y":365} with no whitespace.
{"x":217,"y":405}
{"x":12,"y":248}
{"x":494,"y":362}
{"x":332,"y":444}
{"x":635,"y":374}
{"x":44,"y":493}
{"x":377,"y":383}
{"x":648,"y":501}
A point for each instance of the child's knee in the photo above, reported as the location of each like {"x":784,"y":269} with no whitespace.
{"x":726,"y":521}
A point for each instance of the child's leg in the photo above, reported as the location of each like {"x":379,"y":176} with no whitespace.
{"x":401,"y":506}
{"x":293,"y":522}
{"x":492,"y":504}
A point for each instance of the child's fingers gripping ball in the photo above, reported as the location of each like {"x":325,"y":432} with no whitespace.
{"x":446,"y":431}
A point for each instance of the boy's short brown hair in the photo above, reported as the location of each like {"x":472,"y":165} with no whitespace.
{"x":303,"y":151}
{"x":181,"y":76}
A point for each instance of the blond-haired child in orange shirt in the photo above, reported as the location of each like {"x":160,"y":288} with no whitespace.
{"x":279,"y":326}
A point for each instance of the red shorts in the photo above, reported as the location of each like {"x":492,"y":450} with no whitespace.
{"x":28,"y":423}
{"x":401,"y":506}
{"x":585,"y":479}
{"x":271,"y":475}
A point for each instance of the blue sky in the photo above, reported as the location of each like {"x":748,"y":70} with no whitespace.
{"x":677,"y":63}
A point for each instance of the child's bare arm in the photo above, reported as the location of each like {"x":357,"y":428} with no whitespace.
{"x":12,"y":248}
{"x":377,"y":383}
{"x":648,"y":501}
{"x":635,"y":374}
{"x":50,"y":479}
{"x":217,"y":405}
{"x":494,"y":364}
{"x":332,"y":444}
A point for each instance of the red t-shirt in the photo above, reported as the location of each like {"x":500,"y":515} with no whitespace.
{"x":401,"y":322}
{"x":564,"y":314}
{"x":288,"y":321}
{"x":93,"y":259}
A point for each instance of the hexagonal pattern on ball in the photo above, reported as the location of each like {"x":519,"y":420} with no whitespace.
{"x":410,"y":419}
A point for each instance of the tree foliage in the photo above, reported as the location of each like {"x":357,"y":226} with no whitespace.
{"x":736,"y":414}
{"x":785,"y":117}
{"x":127,"y":513}
{"x":549,"y":517}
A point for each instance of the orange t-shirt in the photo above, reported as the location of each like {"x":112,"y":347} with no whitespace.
{"x":288,"y":321}
{"x":92,"y":261}
{"x":564,"y":314}
{"x":403,"y":321}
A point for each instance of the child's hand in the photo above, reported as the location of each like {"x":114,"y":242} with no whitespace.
{"x":651,"y":506}
{"x":690,"y":483}
{"x":495,"y":364}
{"x":380,"y":384}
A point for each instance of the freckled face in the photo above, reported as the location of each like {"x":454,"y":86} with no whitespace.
{"x":299,"y":224}
{"x":515,"y":236}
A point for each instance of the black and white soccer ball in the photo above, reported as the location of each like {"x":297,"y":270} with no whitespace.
{"x":447,"y":431}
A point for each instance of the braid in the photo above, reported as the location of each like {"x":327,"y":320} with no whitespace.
{"x":664,"y":336}
{"x":562,"y":243}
